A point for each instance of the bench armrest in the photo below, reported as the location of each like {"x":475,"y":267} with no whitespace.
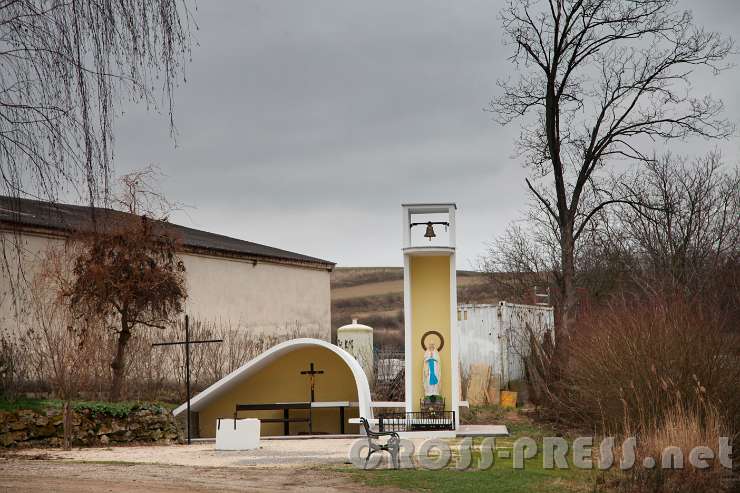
{"x":376,"y":434}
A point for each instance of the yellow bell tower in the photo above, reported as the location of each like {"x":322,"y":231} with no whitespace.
{"x":430,"y":301}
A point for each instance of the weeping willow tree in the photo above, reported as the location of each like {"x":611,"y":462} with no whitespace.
{"x":65,"y":67}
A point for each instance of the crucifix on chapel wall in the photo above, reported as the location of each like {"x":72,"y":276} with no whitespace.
{"x":312,"y":375}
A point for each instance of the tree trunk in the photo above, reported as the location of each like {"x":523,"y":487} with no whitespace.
{"x":119,"y":361}
{"x":568,"y":301}
{"x":67,"y":425}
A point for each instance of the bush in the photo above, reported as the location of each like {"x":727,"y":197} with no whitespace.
{"x":684,"y":428}
{"x":116,"y":409}
{"x":10,"y":367}
{"x":635,"y":359}
{"x":482,"y":415}
{"x":17,"y":403}
{"x":154,"y":373}
{"x":96,"y":408}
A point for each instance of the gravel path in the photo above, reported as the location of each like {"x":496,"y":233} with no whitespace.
{"x":277,"y":466}
{"x":272,"y":453}
{"x":27,"y":475}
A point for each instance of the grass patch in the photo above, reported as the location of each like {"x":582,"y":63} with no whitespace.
{"x":102,"y":408}
{"x":501,"y":477}
{"x":19,"y":403}
{"x":474,"y":415}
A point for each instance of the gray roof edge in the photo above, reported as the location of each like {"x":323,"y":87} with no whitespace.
{"x":37,"y":214}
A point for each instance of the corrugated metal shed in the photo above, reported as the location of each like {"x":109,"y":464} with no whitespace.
{"x":498,"y":335}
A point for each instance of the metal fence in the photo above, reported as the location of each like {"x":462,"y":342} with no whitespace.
{"x":417,"y":421}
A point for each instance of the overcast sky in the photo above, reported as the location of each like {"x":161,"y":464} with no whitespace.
{"x":304,"y":125}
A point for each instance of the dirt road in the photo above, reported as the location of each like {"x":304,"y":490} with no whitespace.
{"x":28,"y":474}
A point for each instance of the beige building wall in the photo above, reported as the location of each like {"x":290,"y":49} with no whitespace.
{"x":262,"y":297}
{"x":21,"y":259}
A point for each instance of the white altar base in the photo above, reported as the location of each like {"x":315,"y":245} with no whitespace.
{"x":244,"y":435}
{"x":482,"y":431}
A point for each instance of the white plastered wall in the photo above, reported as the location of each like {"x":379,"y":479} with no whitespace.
{"x":264,"y":297}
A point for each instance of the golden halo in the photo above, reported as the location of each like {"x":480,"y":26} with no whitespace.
{"x":432,"y":333}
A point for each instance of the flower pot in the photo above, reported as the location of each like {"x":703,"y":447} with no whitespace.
{"x":508,"y":399}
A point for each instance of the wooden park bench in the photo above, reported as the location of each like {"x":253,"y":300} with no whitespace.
{"x":285,"y":407}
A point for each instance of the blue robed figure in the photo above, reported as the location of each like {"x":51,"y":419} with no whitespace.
{"x":432,"y":371}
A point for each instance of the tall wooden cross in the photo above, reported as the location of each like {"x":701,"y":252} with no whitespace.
{"x":187,"y":342}
{"x":311,"y":372}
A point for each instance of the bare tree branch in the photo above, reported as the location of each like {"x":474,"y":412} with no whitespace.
{"x":64,"y":67}
{"x":602,"y":80}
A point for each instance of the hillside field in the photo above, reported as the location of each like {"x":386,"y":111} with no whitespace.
{"x":374,"y":296}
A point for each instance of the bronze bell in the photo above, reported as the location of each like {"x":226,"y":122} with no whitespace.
{"x":430,"y":232}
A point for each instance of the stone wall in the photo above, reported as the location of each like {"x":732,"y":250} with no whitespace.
{"x":27,"y":428}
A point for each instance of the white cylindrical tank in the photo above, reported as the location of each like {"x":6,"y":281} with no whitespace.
{"x":357,"y":340}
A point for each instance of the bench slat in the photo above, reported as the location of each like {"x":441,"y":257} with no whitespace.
{"x":279,"y":420}
{"x":273,"y":406}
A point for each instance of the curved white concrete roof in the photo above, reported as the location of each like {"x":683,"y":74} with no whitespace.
{"x":272,"y":354}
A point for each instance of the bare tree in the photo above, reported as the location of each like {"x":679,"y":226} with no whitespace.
{"x":688,"y":239}
{"x":523,"y":258}
{"x":130,"y":274}
{"x":64,"y":67}
{"x":139,"y":192}
{"x":693,"y":228}
{"x":678,"y":233}
{"x":602,"y":79}
{"x":63,"y":344}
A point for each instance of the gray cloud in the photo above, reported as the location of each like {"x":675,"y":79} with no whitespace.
{"x":304,"y":125}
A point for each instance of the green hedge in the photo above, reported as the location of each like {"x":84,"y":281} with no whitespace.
{"x":116,"y":409}
{"x":26,"y":403}
{"x":97,"y":408}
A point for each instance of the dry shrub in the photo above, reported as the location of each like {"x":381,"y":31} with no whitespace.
{"x":682,"y":428}
{"x":387,"y":382}
{"x":60,"y":343}
{"x":158,"y":373}
{"x":389,"y":335}
{"x":638,"y":356}
{"x":664,"y":369}
{"x":11,"y":367}
{"x":465,"y":374}
{"x":155,"y":373}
